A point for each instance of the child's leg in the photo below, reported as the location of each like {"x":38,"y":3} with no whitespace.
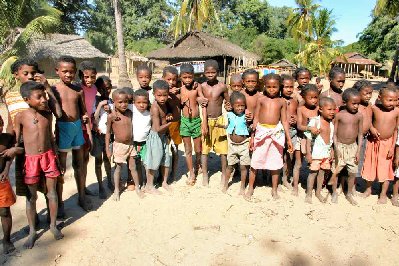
{"x":175,"y":161}
{"x":395,"y":194}
{"x":296,"y":171}
{"x":117,"y":178}
{"x":383,"y":195}
{"x":129,"y":181}
{"x":319,"y":185}
{"x":60,"y":186}
{"x":223,"y":159}
{"x":244,"y":172}
{"x":310,"y":185}
{"x":229,"y":170}
{"x":107,"y":167}
{"x":351,"y":185}
{"x":86,"y":157}
{"x":149,"y":187}
{"x":164,"y":173}
{"x":367,"y":192}
{"x":77,"y":164}
{"x":287,"y":169}
{"x":6,"y":222}
{"x":53,"y":205}
{"x":250,"y":191}
{"x":189,"y":159}
{"x":334,"y":183}
{"x":135,"y":176}
{"x":31,"y":215}
{"x":98,"y":162}
{"x":197,"y":150}
{"x":204,"y":163}
{"x":275,"y":178}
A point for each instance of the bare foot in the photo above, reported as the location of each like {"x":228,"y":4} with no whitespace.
{"x":30,"y":242}
{"x":366,"y":193}
{"x":308,"y":199}
{"x":116,"y":196}
{"x":320,"y":197}
{"x":140,"y":193}
{"x":56,"y":233}
{"x":60,"y":212}
{"x":205,"y":182}
{"x":191,"y":180}
{"x":287,"y":185}
{"x":89,"y":192}
{"x":241,"y":192}
{"x":350,"y":198}
{"x":395,"y":202}
{"x":334,"y":197}
{"x":224,"y":189}
{"x":166,"y":187}
{"x":279,"y":188}
{"x":131,"y":187}
{"x":295,"y":192}
{"x":85,"y":204}
{"x":275,"y":195}
{"x":101,"y":193}
{"x":197,"y":171}
{"x":249,"y":194}
{"x":152,"y":190}
{"x":8,"y":247}
{"x":382,"y":200}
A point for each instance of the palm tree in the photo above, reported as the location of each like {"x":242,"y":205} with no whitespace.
{"x":319,"y":50}
{"x":123,"y":80}
{"x":193,"y":15}
{"x":391,"y":8}
{"x":300,"y":19}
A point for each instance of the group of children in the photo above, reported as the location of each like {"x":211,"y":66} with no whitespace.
{"x":258,"y":124}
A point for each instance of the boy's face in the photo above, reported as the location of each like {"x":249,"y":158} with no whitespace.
{"x":353,"y":104}
{"x":365,"y":94}
{"x":141,"y":103}
{"x":144,"y":78}
{"x":303,"y":78}
{"x":37,"y":100}
{"x":187,"y":79}
{"x":25,"y":73}
{"x":311,"y":98}
{"x":288,"y":88}
{"x":236,"y":85}
{"x":161,"y":96}
{"x":89,"y":77}
{"x":328,"y":111}
{"x":66,"y":71}
{"x":105,"y":89}
{"x":272,"y":88}
{"x":250,"y":82}
{"x":121,"y":102}
{"x":338,"y":81}
{"x":239,"y":106}
{"x":171,"y":79}
{"x":211,"y":73}
{"x":388,"y":100}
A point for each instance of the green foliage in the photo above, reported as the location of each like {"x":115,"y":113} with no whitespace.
{"x":352,"y":47}
{"x":75,"y":14}
{"x":144,"y":46}
{"x":386,"y":7}
{"x":300,"y":20}
{"x":273,"y":49}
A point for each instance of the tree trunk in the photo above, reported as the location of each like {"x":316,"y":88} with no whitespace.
{"x":123,"y":80}
{"x":394,"y":65}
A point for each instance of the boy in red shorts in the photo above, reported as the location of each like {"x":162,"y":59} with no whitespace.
{"x":35,"y":124}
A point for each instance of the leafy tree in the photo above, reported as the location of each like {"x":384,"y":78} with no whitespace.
{"x":301,"y":17}
{"x":75,"y":14}
{"x":278,"y":22}
{"x":273,"y":49}
{"x":144,"y":46}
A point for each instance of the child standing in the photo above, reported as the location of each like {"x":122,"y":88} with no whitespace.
{"x":302,"y":76}
{"x":157,"y":156}
{"x":144,"y":76}
{"x":337,"y":82}
{"x":238,"y":139}
{"x":348,"y":131}
{"x":250,"y":79}
{"x":235,"y":83}
{"x":215,"y":137}
{"x":170,"y":75}
{"x":7,"y":196}
{"x":268,"y":139}
{"x":381,"y":144}
{"x":120,"y":123}
{"x":190,"y":127}
{"x":319,"y":152}
{"x":35,"y":124}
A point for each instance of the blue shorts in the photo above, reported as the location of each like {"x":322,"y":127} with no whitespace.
{"x":70,"y":135}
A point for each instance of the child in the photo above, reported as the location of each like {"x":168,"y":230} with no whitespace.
{"x":157,"y":156}
{"x":87,"y":75}
{"x":380,"y":145}
{"x":235,"y":83}
{"x":7,"y":196}
{"x":268,"y":140}
{"x":35,"y":124}
{"x":319,"y":85}
{"x":250,"y":79}
{"x":144,"y":76}
{"x":101,"y":111}
{"x":319,"y":152}
{"x":287,"y":90}
{"x":141,"y":127}
{"x":120,"y":123}
{"x":348,"y":131}
{"x":190,"y":127}
{"x":308,"y":111}
{"x":238,"y":138}
{"x":302,"y":75}
{"x":170,"y":75}
{"x":337,"y":82}
{"x":69,"y":128}
{"x":214,"y":138}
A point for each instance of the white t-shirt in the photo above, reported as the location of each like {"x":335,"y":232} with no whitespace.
{"x":141,"y":124}
{"x":102,"y":123}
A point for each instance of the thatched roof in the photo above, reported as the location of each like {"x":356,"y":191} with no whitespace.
{"x":283,"y":63}
{"x":55,"y":45}
{"x":200,"y":45}
{"x":355,"y":58}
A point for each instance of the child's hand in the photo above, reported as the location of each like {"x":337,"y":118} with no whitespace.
{"x":202,"y":101}
{"x":292,"y":121}
{"x":396,"y":162}
{"x":103,"y":102}
{"x":40,"y":78}
{"x":228,"y":106}
{"x":204,"y":129}
{"x":290,"y":147}
{"x":314,"y":130}
{"x":174,"y":90}
{"x":390,"y":154}
{"x":374,"y":132}
{"x":249,"y":116}
{"x":3,"y":176}
{"x":169,"y":117}
{"x":85,"y":119}
{"x":309,"y":158}
{"x":9,"y":153}
{"x":251,"y":144}
{"x":108,"y":154}
{"x":357,"y":158}
{"x":107,"y":108}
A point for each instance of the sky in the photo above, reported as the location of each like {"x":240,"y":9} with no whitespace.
{"x":351,"y":16}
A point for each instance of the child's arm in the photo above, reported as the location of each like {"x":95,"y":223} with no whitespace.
{"x":10,"y":128}
{"x":98,"y":110}
{"x":308,"y":150}
{"x":226,"y":97}
{"x":156,"y":121}
{"x":11,"y":152}
{"x":359,"y":139}
{"x":254,"y":124}
{"x":54,"y":105}
{"x":335,"y":138}
{"x":304,"y":126}
{"x":204,"y":123}
{"x":4,"y":174}
{"x":284,"y":121}
{"x":391,"y":151}
{"x":86,"y":117}
{"x":201,"y":99}
{"x":108,"y":135}
{"x":396,"y":161}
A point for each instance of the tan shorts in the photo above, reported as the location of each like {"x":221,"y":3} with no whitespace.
{"x":347,"y":157}
{"x":122,"y":152}
{"x":238,"y":153}
{"x":318,"y":164}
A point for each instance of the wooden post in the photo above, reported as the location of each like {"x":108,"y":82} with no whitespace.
{"x":224,"y":69}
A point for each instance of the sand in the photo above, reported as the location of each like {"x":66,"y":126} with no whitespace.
{"x":202,"y":226}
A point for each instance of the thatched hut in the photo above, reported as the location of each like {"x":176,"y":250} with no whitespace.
{"x":199,"y":46}
{"x":357,"y":65}
{"x":133,"y":60}
{"x":283,"y":66}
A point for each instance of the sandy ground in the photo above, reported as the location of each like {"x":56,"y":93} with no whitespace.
{"x":202,"y":226}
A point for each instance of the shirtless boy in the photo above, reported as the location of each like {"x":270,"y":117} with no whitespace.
{"x":157,"y":156}
{"x":35,"y":124}
{"x":120,"y":123}
{"x":144,"y":76}
{"x":69,"y":134}
{"x":381,"y":143}
{"x":302,"y":76}
{"x":214,"y":138}
{"x":250,"y":79}
{"x":337,"y":82}
{"x":170,"y":75}
{"x":348,"y":131}
{"x":272,"y":131}
{"x":190,"y":127}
